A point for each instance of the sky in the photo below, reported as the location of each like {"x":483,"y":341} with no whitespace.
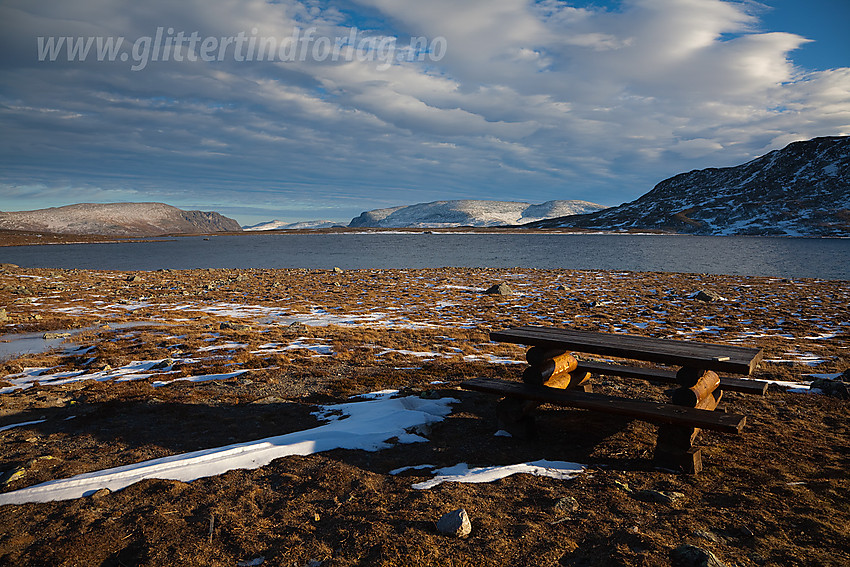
{"x":322,"y":109}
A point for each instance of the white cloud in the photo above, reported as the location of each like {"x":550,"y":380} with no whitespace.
{"x":532,"y":101}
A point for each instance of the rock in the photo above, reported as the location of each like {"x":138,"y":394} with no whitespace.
{"x":500,"y":289}
{"x":658,"y":496}
{"x":337,"y":270}
{"x":55,"y":335}
{"x":7,"y":266}
{"x":12,"y":368}
{"x":3,"y":315}
{"x":707,"y":296}
{"x":235,"y":326}
{"x":134,"y":278}
{"x":102,"y":493}
{"x":567,"y":505}
{"x":12,"y":475}
{"x":455,"y":523}
{"x":163,"y":364}
{"x":692,"y":556}
{"x":845,"y":376}
{"x":834,"y":388}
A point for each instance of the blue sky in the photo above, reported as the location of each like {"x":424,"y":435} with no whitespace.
{"x":510,"y":100}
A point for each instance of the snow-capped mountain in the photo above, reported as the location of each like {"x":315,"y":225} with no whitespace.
{"x":440,"y":214}
{"x":281,"y":225}
{"x":801,"y":190}
{"x":120,"y":219}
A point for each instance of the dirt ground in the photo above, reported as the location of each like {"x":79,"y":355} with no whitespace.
{"x":775,"y":495}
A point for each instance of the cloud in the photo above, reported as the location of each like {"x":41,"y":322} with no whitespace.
{"x":530,"y":101}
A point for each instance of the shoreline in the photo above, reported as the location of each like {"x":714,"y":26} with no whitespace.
{"x":29,"y":238}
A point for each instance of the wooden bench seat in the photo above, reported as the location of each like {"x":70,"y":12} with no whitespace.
{"x":655,"y":412}
{"x":727,"y":383}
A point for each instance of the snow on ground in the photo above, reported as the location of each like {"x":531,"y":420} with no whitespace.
{"x":462,"y":473}
{"x":14,"y":425}
{"x":201,"y":378}
{"x":367,"y":424}
{"x":136,"y":370}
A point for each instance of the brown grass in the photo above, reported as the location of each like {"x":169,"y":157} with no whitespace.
{"x":777,"y":495}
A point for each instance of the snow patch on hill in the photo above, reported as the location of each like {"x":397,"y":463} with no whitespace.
{"x":481,"y":213}
{"x":124,"y":219}
{"x":281,"y":225}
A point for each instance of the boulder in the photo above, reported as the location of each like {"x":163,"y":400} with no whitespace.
{"x":499,"y":289}
{"x":707,"y":296}
{"x":835,"y":388}
{"x":455,"y":523}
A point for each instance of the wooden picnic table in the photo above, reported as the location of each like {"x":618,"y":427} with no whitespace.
{"x":722,"y":358}
{"x":556,"y":377}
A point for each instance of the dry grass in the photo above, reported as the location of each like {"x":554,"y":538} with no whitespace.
{"x":775,"y":496}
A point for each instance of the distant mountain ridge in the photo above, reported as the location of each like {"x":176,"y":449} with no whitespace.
{"x":117,"y":219}
{"x":281,"y":225}
{"x":480,"y":213}
{"x":802,"y":189}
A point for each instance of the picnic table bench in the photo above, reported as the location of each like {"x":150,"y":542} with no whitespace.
{"x":555,"y":376}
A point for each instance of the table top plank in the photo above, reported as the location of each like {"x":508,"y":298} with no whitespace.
{"x":708,"y":356}
{"x":648,"y":411}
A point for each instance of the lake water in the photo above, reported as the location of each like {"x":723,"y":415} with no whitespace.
{"x":782,"y":257}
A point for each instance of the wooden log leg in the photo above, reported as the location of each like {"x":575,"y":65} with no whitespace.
{"x":688,"y":461}
{"x":674,"y":448}
{"x":517,"y":417}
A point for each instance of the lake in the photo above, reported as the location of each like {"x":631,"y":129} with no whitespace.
{"x":827,"y":258}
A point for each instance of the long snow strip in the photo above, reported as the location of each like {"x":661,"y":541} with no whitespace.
{"x":368,"y":425}
{"x":462,"y":473}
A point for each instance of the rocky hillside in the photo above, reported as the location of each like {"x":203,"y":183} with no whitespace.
{"x":469,"y":213}
{"x":800,"y":190}
{"x":118,"y":219}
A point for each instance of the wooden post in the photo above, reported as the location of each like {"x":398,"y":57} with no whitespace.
{"x":549,"y":368}
{"x":692,"y":395}
{"x":674,"y":447}
{"x":542,"y":370}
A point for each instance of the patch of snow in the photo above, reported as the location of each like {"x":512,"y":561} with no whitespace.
{"x":282,"y":225}
{"x":462,"y":473}
{"x":443,"y":214}
{"x":369,"y":426}
{"x":22,"y":424}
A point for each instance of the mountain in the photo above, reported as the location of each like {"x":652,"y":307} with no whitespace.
{"x":469,"y":213}
{"x":118,"y":219}
{"x":801,"y":190}
{"x":280,"y":225}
